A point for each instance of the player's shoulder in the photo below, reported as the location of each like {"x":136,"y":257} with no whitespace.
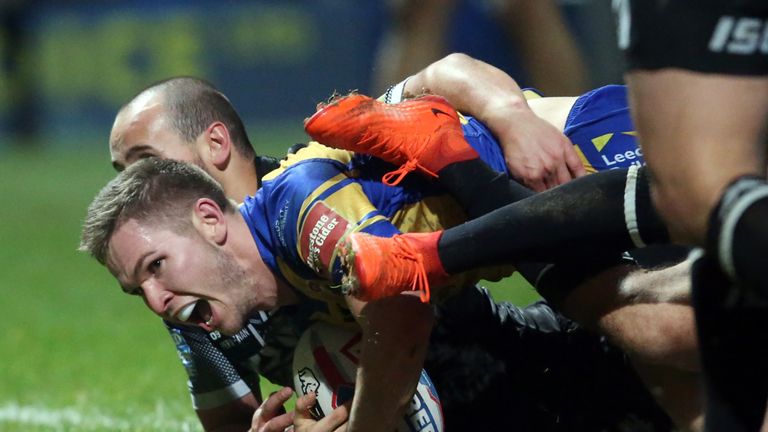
{"x":312,"y":153}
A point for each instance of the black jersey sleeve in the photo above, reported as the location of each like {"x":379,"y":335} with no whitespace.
{"x":212,"y":378}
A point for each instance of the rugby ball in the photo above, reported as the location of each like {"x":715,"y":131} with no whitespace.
{"x":325,"y":362}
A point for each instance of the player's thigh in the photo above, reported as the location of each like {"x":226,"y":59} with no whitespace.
{"x":698,"y":91}
{"x":654,"y":333}
{"x":699,"y":131}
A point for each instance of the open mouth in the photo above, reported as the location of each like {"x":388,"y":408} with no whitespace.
{"x":198,"y":312}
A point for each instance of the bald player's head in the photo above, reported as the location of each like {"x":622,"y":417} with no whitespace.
{"x":166,"y":116}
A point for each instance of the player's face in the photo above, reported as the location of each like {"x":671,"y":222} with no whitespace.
{"x":142,"y":130}
{"x":187,"y":280}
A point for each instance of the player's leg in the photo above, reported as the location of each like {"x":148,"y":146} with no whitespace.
{"x":634,"y":318}
{"x":733,"y":350}
{"x":658,"y":337}
{"x":700,"y":107}
{"x":700,"y":132}
{"x":577,"y":220}
{"x":717,"y":148}
{"x":424,"y":134}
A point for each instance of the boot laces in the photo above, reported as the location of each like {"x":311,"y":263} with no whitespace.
{"x":419,"y":282}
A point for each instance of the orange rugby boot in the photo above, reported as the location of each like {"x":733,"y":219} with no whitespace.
{"x":377,"y":267}
{"x":422,"y":133}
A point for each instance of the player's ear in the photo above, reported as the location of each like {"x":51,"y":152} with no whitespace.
{"x":208,"y":219}
{"x":219,"y":144}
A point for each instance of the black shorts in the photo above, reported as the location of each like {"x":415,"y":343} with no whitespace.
{"x":711,"y":36}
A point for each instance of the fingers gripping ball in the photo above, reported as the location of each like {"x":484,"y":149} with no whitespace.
{"x":325,"y":362}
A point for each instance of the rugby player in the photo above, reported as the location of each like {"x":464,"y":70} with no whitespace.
{"x":176,"y":268}
{"x":137,"y":142}
{"x":698,"y":76}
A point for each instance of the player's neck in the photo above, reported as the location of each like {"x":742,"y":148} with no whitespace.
{"x":240,"y":184}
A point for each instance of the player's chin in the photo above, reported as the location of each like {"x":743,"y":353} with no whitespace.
{"x":229,"y":327}
{"x":225,"y":323}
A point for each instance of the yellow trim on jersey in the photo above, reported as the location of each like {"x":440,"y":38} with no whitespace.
{"x":310,"y":200}
{"x":313,"y":150}
{"x":432,"y":213}
{"x":529,"y":94}
{"x":587,"y":166}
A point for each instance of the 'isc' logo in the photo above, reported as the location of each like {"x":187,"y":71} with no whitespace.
{"x":741,"y":36}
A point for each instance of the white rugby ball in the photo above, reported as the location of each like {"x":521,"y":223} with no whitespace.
{"x":325,"y":362}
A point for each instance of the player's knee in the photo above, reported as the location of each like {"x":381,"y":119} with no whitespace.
{"x":736,"y":226}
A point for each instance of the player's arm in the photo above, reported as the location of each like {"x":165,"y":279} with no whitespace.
{"x":231,"y":416}
{"x":247,"y":413}
{"x":536,"y":151}
{"x":395,"y":331}
{"x":395,"y":338}
{"x":221,"y":398}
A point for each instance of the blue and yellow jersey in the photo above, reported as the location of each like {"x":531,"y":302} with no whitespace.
{"x":319,"y":195}
{"x":601,"y":129}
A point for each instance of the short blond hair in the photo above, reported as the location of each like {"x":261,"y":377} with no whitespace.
{"x":151,"y":190}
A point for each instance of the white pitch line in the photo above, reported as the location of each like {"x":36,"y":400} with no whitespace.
{"x":71,"y":417}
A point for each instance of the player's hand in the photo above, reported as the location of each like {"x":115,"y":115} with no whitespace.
{"x":271,"y":416}
{"x":537,"y":153}
{"x":335,"y":421}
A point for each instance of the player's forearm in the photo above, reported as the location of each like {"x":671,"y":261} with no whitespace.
{"x":233,"y":416}
{"x":396,"y":335}
{"x":472,"y":86}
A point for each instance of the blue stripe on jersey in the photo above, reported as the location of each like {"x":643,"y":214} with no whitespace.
{"x":332,"y":190}
{"x":483,"y":141}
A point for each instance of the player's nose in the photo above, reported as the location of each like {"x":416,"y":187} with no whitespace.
{"x":156,"y":297}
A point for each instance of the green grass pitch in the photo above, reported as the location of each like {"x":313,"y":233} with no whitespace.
{"x":77,"y":354}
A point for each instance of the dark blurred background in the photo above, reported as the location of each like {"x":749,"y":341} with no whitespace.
{"x":68,"y":65}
